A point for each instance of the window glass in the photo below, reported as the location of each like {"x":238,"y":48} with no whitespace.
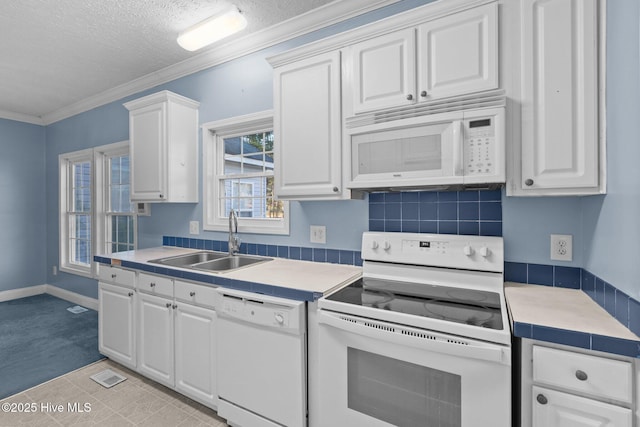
{"x":121,"y":221}
{"x":239,"y":174}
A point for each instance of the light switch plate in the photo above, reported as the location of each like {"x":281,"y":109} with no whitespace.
{"x":194,"y":227}
{"x":318,"y":234}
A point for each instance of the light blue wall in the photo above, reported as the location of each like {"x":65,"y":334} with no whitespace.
{"x":612,"y":222}
{"x":528,"y":222}
{"x":22,"y":205}
{"x":103,"y":125}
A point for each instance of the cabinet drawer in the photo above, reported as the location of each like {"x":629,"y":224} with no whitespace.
{"x":195,"y":294}
{"x":155,"y":285}
{"x":116,"y":275}
{"x":597,"y":376}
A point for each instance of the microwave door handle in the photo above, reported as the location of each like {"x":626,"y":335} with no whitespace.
{"x":458,"y":149}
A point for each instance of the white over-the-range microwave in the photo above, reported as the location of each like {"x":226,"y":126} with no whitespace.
{"x":451,"y":149}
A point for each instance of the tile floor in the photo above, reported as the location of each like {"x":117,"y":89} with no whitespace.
{"x":137,"y":401}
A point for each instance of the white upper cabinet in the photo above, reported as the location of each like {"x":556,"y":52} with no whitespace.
{"x":384,"y":71}
{"x":456,"y":54}
{"x":163,"y":132}
{"x":307,"y":129}
{"x":560,"y":151}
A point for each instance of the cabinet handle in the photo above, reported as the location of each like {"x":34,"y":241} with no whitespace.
{"x":130,"y":294}
{"x":423,"y":94}
{"x":175,"y":306}
{"x":541,"y":399}
{"x":193,"y":294}
{"x":168,"y":305}
{"x":161,"y":196}
{"x":528,"y":182}
{"x":409,"y":97}
{"x":336,"y":189}
{"x":152,"y":284}
{"x":581,"y":375}
{"x":113,"y":276}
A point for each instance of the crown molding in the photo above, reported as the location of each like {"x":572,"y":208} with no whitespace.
{"x":313,"y":20}
{"x":19,"y":117}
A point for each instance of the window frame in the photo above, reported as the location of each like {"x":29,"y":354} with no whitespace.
{"x":65,"y":166}
{"x":213,"y":135}
{"x":100,"y":179}
{"x":103,"y":155}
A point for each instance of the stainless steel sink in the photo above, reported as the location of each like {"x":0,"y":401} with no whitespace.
{"x":189,"y":259}
{"x":230,"y":263}
{"x":210,"y":261}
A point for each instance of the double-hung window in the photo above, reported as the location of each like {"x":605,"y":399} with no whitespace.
{"x":238,"y":165}
{"x":76,"y":211}
{"x":117,"y":220}
{"x":96,"y":215}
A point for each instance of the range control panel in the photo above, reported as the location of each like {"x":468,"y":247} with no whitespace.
{"x":483,"y":253}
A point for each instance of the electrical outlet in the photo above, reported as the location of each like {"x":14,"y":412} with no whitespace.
{"x":562,"y":247}
{"x":318,"y":234}
{"x":194,"y":227}
{"x":54,"y":270}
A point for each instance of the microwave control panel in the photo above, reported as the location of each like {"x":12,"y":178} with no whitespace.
{"x":479,"y":146}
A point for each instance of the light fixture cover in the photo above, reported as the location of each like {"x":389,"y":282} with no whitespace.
{"x":212,"y":29}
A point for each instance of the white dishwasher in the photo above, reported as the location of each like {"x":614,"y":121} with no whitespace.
{"x":261,"y":360}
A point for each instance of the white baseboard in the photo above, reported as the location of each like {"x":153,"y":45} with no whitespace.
{"x":22,"y":292}
{"x":73,"y":297}
{"x":64,"y":294}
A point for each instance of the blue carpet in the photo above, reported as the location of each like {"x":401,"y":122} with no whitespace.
{"x":41,"y":340}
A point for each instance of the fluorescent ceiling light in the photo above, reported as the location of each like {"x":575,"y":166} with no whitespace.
{"x":212,"y":29}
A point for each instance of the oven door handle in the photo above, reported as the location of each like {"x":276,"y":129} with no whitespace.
{"x":423,"y":340}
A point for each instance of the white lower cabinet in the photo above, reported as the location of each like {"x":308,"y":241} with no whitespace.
{"x":557,"y":409}
{"x":195,"y":353}
{"x":116,"y":315}
{"x":116,"y":323}
{"x":571,"y":387}
{"x":162,"y":328}
{"x":155,"y":332}
{"x":176,"y":336}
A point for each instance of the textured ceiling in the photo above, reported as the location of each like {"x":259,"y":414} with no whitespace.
{"x":54,"y":53}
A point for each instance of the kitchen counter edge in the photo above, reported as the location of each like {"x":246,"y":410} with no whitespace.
{"x":566,"y":316}
{"x":139,"y":260}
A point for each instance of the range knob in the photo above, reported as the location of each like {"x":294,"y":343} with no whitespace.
{"x":386,"y":246}
{"x":374,"y":245}
{"x":485,"y":251}
{"x":468,"y":250}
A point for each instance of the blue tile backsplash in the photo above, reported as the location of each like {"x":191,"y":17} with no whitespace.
{"x":334,"y":256}
{"x":477,"y":212}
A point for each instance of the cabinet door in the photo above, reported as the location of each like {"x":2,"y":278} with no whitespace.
{"x":307,"y":128}
{"x":155,"y":337}
{"x":458,"y":54}
{"x":147,"y":134}
{"x":559,"y":95}
{"x":195,"y":335}
{"x":384,"y":71}
{"x":556,"y":409}
{"x":116,"y":324}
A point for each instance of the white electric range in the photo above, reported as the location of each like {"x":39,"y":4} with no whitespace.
{"x":422,"y":339}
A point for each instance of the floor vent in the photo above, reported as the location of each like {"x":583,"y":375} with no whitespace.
{"x":107,"y":378}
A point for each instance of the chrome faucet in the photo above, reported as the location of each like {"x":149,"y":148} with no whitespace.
{"x":234,"y":240}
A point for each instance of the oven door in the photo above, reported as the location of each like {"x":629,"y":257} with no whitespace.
{"x":373,"y":373}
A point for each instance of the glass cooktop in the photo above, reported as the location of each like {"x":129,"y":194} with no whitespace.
{"x":466,"y":306}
